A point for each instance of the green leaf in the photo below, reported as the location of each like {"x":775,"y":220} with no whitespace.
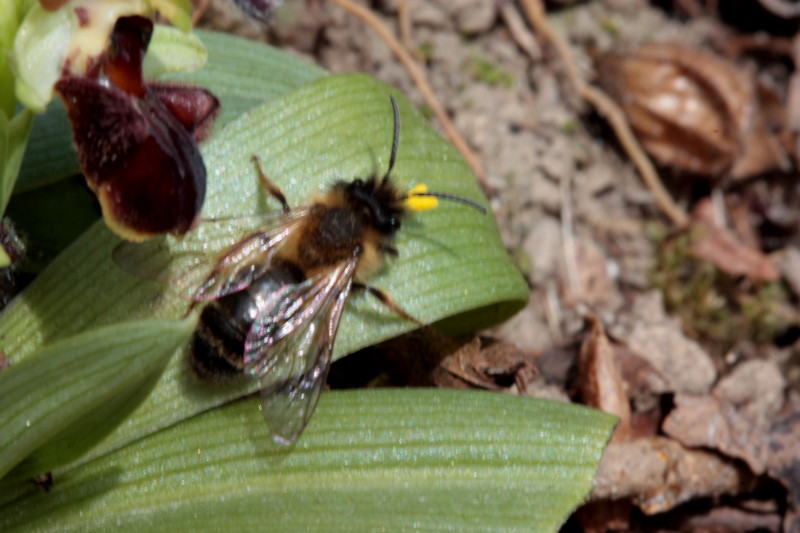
{"x":50,"y":218}
{"x":72,"y":389}
{"x":14,"y":136}
{"x":241,"y":73}
{"x":388,"y":460}
{"x":452,"y":261}
{"x":9,"y":21}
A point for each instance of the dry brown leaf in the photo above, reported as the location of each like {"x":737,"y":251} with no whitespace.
{"x":708,"y":422}
{"x":680,"y":364}
{"x":692,"y":110}
{"x":600,"y":379}
{"x":584,"y":278}
{"x":659,"y":474}
{"x":756,"y":389}
{"x":734,"y":419}
{"x":721,"y":247}
{"x":670,"y":361}
{"x":486,"y":364}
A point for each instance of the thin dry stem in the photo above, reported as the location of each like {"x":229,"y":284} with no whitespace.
{"x":519,"y":30}
{"x":419,"y":79}
{"x":609,"y":110}
{"x":404,"y":19}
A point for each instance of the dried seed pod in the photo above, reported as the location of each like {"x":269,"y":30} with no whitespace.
{"x":136,"y":141}
{"x":692,"y":110}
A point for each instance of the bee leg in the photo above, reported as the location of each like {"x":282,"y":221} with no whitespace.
{"x":273,"y":189}
{"x":386,"y":300}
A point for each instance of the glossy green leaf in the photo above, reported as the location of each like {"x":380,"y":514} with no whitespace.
{"x":50,"y":218}
{"x":68,"y":388}
{"x":14,"y":136}
{"x":373,"y":460}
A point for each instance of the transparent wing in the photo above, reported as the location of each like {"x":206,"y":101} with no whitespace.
{"x":219,"y":257}
{"x":289,"y":347}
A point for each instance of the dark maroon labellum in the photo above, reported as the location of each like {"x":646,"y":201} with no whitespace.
{"x":136,"y":141}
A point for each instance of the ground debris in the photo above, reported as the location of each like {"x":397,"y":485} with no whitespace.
{"x":655,"y":337}
{"x":714,"y":243}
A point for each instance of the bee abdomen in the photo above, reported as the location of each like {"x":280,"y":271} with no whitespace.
{"x":218,"y":342}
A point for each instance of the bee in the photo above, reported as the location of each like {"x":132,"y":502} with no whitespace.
{"x":275,"y":294}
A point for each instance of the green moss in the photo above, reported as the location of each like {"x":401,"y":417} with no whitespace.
{"x":569,"y":127}
{"x":487,"y":72}
{"x":426,"y":50}
{"x":610,"y":27}
{"x":715,"y":308}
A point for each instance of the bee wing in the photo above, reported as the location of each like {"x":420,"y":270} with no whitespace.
{"x":219,"y":257}
{"x":289,"y":347}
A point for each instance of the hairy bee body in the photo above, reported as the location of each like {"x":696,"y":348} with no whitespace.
{"x":353,"y":221}
{"x":218,"y":342}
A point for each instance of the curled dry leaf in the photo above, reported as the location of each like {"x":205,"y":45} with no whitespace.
{"x":600,"y":380}
{"x":135,"y":140}
{"x":487,"y":364}
{"x":692,"y":110}
{"x":714,"y":243}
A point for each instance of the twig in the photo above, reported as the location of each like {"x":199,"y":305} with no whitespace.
{"x":518,"y":30}
{"x":404,"y":19}
{"x":419,"y":79}
{"x":609,"y":110}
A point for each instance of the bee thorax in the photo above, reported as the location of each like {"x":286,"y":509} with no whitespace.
{"x":333,"y":235}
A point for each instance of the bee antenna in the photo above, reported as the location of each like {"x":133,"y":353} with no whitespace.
{"x":395,"y":138}
{"x":455,"y":198}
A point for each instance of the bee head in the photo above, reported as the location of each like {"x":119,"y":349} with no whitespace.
{"x":377,"y":202}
